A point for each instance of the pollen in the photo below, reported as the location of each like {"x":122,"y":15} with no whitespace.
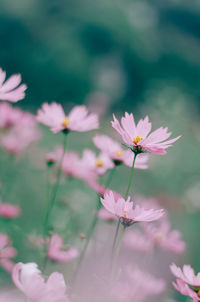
{"x":137,"y":139}
{"x":119,"y":153}
{"x":99,"y":162}
{"x":125,"y":214}
{"x":65,"y":122}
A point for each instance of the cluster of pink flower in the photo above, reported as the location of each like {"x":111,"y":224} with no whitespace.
{"x":19,"y":129}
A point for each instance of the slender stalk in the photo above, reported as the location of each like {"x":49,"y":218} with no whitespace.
{"x":52,"y":197}
{"x":116,"y":256}
{"x":126,"y":196}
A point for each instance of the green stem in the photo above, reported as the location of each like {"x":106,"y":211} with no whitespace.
{"x":126,"y":196}
{"x":52,"y":199}
{"x":116,"y":256}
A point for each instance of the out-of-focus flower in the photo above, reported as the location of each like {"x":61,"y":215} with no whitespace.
{"x":58,"y":252}
{"x":114,"y":150}
{"x":136,"y":240}
{"x":7,"y":252}
{"x":139,"y":286}
{"x":105,"y":215}
{"x":137,"y":137}
{"x":163,"y":237}
{"x":9,"y":115}
{"x":124,"y":210}
{"x":11,"y":90}
{"x":8,"y":210}
{"x":187,"y":275}
{"x":185,"y":290}
{"x":27,"y":277}
{"x":21,"y":135}
{"x":78,"y":119}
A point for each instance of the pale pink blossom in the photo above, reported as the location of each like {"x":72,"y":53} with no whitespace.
{"x":78,"y":119}
{"x":9,"y":115}
{"x":27,"y":277}
{"x":124,"y":210}
{"x":11,"y":90}
{"x":57,"y":251}
{"x":187,"y":274}
{"x":114,"y":150}
{"x":163,"y":237}
{"x":137,"y":137}
{"x":185,"y":290}
{"x":138,"y":286}
{"x":7,"y":252}
{"x":8,"y":210}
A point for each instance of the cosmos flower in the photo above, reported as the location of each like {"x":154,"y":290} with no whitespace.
{"x":114,"y":150}
{"x":9,"y":210}
{"x":124,"y":210}
{"x":9,"y":115}
{"x":58,"y":252}
{"x":137,"y":137}
{"x":27,"y":277}
{"x":7,"y":252}
{"x":185,"y":290}
{"x":11,"y":90}
{"x":187,"y":275}
{"x":78,"y":119}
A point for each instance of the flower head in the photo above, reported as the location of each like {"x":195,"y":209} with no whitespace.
{"x":185,"y":290}
{"x":125,"y":211}
{"x":187,"y":275}
{"x":137,"y":137}
{"x":58,"y":252}
{"x":78,"y":119}
{"x":27,"y":277}
{"x":9,"y":210}
{"x":7,"y":252}
{"x":11,"y":90}
{"x":114,"y":150}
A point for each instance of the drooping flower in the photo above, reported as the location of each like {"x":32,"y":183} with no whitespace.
{"x":58,"y":252}
{"x":11,"y":90}
{"x":161,"y":236}
{"x":78,"y":119}
{"x":9,"y":210}
{"x":7,"y":252}
{"x":114,"y":150}
{"x":139,"y":286}
{"x":137,"y":137}
{"x":27,"y":277}
{"x":124,"y":210}
{"x":187,"y":275}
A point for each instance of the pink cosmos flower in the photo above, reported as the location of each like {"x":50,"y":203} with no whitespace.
{"x":185,"y":290}
{"x":139,"y":286}
{"x":124,"y":210}
{"x":11,"y":90}
{"x":7,"y":252}
{"x":137,"y":137}
{"x":114,"y":150}
{"x":187,"y":275}
{"x":58,"y":252}
{"x":9,"y":210}
{"x":78,"y":119}
{"x":27,"y":277}
{"x":21,"y":135}
{"x":163,"y":237}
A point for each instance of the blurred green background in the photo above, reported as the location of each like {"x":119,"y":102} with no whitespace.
{"x":140,"y":56}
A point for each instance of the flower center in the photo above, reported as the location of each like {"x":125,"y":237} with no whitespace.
{"x":65,"y":122}
{"x":137,"y":139}
{"x":119,"y":153}
{"x":198,"y":293}
{"x":99,"y":162}
{"x":125,"y":214}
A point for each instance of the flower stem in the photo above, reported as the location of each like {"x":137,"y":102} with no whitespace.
{"x":126,"y":196}
{"x":116,"y":256}
{"x":52,"y":197}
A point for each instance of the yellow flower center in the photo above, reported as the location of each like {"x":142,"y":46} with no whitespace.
{"x":137,"y":139}
{"x":198,"y":293}
{"x":99,"y":162}
{"x":65,"y":122}
{"x":125,"y":214}
{"x":119,"y":153}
